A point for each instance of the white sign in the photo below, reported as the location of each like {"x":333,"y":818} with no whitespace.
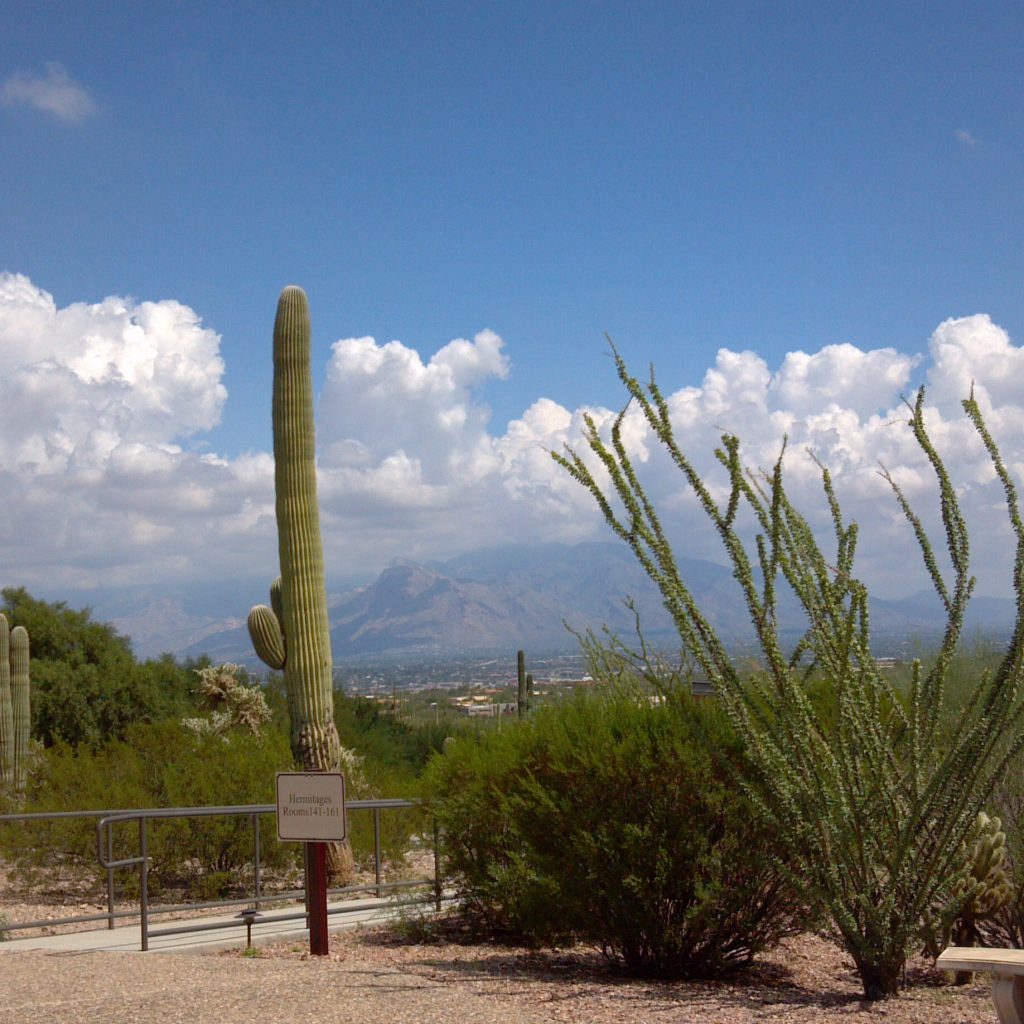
{"x":311,"y":807}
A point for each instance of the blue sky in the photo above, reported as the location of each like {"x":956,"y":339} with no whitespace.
{"x":777,"y":178}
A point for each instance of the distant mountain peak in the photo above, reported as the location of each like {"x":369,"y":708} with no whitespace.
{"x":522,"y":596}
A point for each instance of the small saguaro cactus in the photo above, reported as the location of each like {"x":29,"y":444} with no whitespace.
{"x":6,"y":707}
{"x":293,"y":634}
{"x":521,"y":683}
{"x":14,"y":705}
{"x":524,"y":688}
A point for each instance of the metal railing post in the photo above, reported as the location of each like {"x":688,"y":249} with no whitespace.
{"x":376,"y":848}
{"x":256,"y":861}
{"x":110,"y":877}
{"x":437,"y":867}
{"x":144,"y":885}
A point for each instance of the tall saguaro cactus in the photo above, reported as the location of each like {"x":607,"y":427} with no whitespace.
{"x":293,"y":633}
{"x":14,"y":705}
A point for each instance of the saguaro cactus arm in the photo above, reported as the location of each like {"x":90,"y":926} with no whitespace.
{"x":266,"y":632}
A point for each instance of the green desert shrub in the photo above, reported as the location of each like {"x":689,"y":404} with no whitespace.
{"x":156,"y":765}
{"x":609,"y":820}
{"x":471,"y":790}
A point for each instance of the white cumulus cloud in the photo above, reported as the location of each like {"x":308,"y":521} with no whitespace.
{"x":97,"y":402}
{"x":76,"y":383}
{"x":54,"y":92}
{"x":102,"y":405}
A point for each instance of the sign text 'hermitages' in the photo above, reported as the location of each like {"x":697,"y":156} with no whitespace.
{"x":311,"y":807}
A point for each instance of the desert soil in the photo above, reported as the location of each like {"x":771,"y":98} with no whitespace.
{"x":376,"y":976}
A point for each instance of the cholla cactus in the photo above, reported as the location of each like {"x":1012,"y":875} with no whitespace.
{"x":984,"y":890}
{"x":15,"y":720}
{"x":217,"y":723}
{"x":987,"y":888}
{"x":980,"y":890}
{"x":231,"y":703}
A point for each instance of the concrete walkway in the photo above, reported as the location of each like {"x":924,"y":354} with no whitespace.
{"x":225,"y":931}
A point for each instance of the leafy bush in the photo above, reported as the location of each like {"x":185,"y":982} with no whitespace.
{"x":87,"y":686}
{"x":608,"y":820}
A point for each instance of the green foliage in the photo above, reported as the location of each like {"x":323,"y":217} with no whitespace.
{"x":87,"y":686}
{"x":393,"y":756}
{"x":158,"y":765}
{"x":606,"y":819}
{"x":384,"y":739}
{"x":877,"y":799}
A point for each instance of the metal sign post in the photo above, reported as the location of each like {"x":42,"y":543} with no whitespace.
{"x":311,"y":810}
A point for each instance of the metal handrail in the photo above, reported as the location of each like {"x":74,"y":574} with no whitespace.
{"x":107,"y":819}
{"x":111,"y":913}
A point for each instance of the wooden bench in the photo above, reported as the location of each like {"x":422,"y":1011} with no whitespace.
{"x":1008,"y":967}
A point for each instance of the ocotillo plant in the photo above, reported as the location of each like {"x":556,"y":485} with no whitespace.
{"x":14,"y":705}
{"x":293,"y":634}
{"x":874,"y":801}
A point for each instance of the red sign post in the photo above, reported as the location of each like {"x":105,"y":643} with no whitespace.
{"x":311,"y":810}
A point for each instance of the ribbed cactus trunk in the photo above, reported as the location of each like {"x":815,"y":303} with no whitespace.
{"x":294,"y":633}
{"x":6,"y":708}
{"x":308,"y":674}
{"x":20,"y":702}
{"x":15,"y":712}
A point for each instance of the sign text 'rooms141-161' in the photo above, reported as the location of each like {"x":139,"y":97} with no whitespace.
{"x":311,"y":807}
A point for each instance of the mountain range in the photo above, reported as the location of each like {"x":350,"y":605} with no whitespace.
{"x":530,"y":596}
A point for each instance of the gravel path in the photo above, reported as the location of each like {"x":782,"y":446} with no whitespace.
{"x":371,"y":978}
{"x":125,"y":988}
